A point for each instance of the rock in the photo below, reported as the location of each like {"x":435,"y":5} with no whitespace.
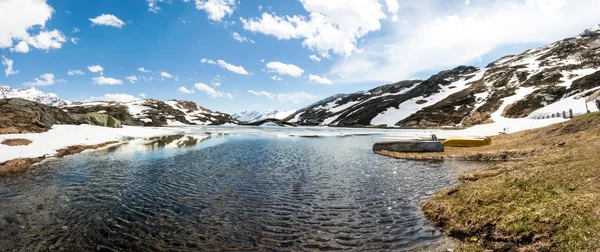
{"x":23,"y":116}
{"x":16,"y":142}
{"x":115,"y":110}
{"x":97,"y":119}
{"x":409,"y":146}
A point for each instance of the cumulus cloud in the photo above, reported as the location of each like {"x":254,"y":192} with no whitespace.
{"x":211,"y":91}
{"x":96,"y":69}
{"x":106,"y":81}
{"x":284,"y":69}
{"x":392,"y":6}
{"x":18,"y":16}
{"x":9,"y":66}
{"x":133,"y":79}
{"x":153,"y":5}
{"x":44,"y":80}
{"x":74,"y":40}
{"x":333,"y":25}
{"x":435,"y":38}
{"x":21,"y":47}
{"x":143,"y":70}
{"x":216,"y":9}
{"x":45,"y":40}
{"x":75,"y":72}
{"x":233,"y":68}
{"x":115,"y":98}
{"x":319,"y":79}
{"x":166,"y":75}
{"x":241,"y":38}
{"x":296,"y":97}
{"x":262,"y":93}
{"x":107,"y":20}
{"x":314,"y":58}
{"x":184,"y":90}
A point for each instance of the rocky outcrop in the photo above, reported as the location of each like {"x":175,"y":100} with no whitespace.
{"x":97,"y":119}
{"x":24,"y":116}
{"x":115,"y":110}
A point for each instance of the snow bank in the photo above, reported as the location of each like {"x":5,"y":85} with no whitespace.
{"x":61,"y":136}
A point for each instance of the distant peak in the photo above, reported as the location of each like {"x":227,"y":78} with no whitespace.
{"x":594,"y":30}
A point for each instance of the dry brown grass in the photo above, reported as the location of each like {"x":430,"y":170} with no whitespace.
{"x":550,"y":201}
{"x":16,"y":142}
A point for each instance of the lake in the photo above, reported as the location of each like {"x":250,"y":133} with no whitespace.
{"x":223,"y":191}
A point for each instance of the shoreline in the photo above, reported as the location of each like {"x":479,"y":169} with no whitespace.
{"x":541,"y":194}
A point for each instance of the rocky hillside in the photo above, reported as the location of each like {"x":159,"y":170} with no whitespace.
{"x":151,"y":112}
{"x":32,"y":94}
{"x":24,"y":116}
{"x":535,"y":83}
{"x":256,"y":116}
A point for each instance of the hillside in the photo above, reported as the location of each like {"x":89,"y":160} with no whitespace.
{"x":255,"y":116}
{"x":515,"y":86}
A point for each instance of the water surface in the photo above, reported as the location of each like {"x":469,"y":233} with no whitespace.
{"x":223,"y":193}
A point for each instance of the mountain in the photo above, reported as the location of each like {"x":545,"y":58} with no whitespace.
{"x":255,"y":116}
{"x":151,"y":112}
{"x":549,"y":79}
{"x":32,"y":94}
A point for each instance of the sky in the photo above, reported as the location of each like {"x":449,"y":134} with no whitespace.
{"x":238,"y":55}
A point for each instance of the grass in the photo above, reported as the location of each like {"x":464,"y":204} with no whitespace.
{"x":544,"y":197}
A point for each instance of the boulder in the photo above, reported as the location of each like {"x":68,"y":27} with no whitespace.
{"x":23,"y":116}
{"x":409,"y":146}
{"x":97,"y":119}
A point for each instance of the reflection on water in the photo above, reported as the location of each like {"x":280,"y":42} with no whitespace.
{"x":225,"y":193}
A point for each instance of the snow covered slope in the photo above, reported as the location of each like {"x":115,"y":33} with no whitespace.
{"x":151,"y":112}
{"x":255,"y":116}
{"x":32,"y":94}
{"x":534,"y":84}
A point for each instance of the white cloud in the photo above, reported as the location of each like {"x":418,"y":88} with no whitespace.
{"x":276,"y":78}
{"x":216,"y":9}
{"x":9,"y":66}
{"x":241,"y":38}
{"x":216,"y":81}
{"x":153,"y":5}
{"x":392,"y":6}
{"x":467,"y":2}
{"x":106,"y":81}
{"x":45,"y":40}
{"x":95,"y":69}
{"x":207,"y":61}
{"x":315,"y":58}
{"x":44,"y":80}
{"x":233,"y":68}
{"x":143,"y":95}
{"x":319,"y":79}
{"x":210,"y":91}
{"x":107,"y":20}
{"x":166,"y":75}
{"x":18,"y":16}
{"x":184,"y":90}
{"x":74,"y":40}
{"x":133,"y":79}
{"x":76,"y":30}
{"x":115,"y":98}
{"x":142,"y":69}
{"x":22,"y":47}
{"x":333,"y":25}
{"x":296,"y":97}
{"x":262,"y":93}
{"x":417,"y":46}
{"x":75,"y":72}
{"x":285,"y":69}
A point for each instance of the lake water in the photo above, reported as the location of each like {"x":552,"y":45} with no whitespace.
{"x":228,"y":192}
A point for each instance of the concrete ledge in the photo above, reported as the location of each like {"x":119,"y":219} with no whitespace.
{"x":409,"y":146}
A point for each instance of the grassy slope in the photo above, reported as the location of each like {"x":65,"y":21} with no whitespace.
{"x":548,"y":201}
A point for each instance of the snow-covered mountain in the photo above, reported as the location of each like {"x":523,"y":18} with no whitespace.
{"x":534,"y":84}
{"x":32,"y":94}
{"x":151,"y":112}
{"x":255,"y":116}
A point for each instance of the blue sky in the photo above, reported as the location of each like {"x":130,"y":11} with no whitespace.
{"x":360,"y":44}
